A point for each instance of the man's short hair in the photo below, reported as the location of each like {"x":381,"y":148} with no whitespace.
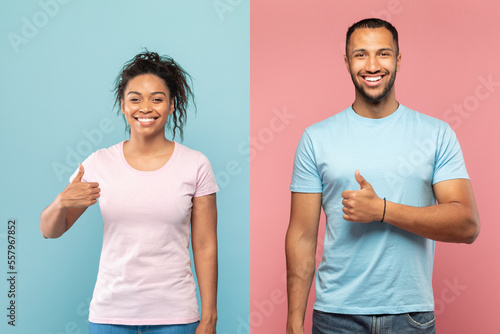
{"x":372,"y":23}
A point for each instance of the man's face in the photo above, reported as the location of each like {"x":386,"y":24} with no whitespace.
{"x":372,"y":60}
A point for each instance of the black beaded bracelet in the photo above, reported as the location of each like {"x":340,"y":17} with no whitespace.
{"x":383,"y":215}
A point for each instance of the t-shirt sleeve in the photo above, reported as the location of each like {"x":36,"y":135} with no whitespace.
{"x":449,"y":158}
{"x":88,"y":166}
{"x":205,"y":178}
{"x":305,"y":177}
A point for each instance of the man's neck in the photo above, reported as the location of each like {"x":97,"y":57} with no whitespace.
{"x":379,"y":109}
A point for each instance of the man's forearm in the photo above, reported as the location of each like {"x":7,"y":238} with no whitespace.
{"x":454,"y":219}
{"x":449,"y":222}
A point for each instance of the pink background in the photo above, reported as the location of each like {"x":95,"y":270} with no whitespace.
{"x":298,"y":78}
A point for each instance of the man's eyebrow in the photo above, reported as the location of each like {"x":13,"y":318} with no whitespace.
{"x":364,"y":50}
{"x":358,"y":50}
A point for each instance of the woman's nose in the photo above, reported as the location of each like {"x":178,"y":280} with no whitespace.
{"x":145,"y":108}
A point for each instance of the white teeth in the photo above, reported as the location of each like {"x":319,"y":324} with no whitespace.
{"x":145,"y":119}
{"x":373,"y":78}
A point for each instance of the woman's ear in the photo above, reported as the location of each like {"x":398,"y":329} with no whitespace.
{"x":172,"y":107}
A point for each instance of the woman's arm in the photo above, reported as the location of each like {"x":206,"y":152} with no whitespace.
{"x":204,"y":241}
{"x":68,"y":206}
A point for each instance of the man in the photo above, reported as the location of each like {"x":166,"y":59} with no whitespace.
{"x":377,"y":168}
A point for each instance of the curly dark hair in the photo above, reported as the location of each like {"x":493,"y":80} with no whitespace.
{"x":175,"y":77}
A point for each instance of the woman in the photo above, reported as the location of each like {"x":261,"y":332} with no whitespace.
{"x":150,"y":190}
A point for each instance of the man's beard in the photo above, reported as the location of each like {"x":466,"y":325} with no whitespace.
{"x":377,"y":98}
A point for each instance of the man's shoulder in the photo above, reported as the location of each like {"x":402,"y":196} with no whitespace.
{"x":419,"y":117}
{"x":328,"y":123}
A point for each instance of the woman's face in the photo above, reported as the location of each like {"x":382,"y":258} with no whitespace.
{"x":146,"y":105}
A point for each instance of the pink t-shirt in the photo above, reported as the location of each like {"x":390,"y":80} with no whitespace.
{"x":145,"y":270}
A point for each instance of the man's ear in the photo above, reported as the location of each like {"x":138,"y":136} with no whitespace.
{"x":346,"y":61}
{"x":398,"y":62}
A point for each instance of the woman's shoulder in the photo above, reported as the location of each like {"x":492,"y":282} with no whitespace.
{"x":186,"y":150}
{"x":111,"y":152}
{"x":187,"y":153}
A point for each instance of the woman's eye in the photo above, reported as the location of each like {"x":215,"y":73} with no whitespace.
{"x":158,"y":100}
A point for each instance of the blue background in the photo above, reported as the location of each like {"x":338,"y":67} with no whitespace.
{"x":59,"y":60}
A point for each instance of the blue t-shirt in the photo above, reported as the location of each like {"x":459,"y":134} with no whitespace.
{"x":376,"y":268}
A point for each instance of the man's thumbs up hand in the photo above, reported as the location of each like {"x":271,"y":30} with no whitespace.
{"x":363,"y":205}
{"x":363,"y":184}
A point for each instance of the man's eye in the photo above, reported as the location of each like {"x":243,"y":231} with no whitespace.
{"x":359,"y":55}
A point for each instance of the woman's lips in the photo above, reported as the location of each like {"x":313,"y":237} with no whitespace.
{"x":146,"y":121}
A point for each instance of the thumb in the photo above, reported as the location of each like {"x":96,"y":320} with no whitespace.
{"x":79,"y":176}
{"x":361,"y":180}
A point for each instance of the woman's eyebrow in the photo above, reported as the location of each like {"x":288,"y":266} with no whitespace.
{"x":153,"y":93}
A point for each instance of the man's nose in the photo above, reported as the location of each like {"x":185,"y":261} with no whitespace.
{"x":372,"y":65}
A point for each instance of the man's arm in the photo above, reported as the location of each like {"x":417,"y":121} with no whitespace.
{"x":300,"y":246}
{"x":454,"y":219}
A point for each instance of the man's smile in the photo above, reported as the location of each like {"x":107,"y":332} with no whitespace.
{"x":373,"y":81}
